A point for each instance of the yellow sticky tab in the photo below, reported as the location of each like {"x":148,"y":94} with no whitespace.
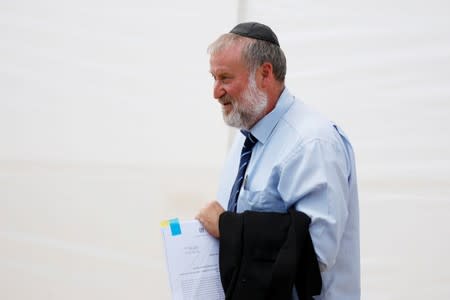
{"x":164,"y":223}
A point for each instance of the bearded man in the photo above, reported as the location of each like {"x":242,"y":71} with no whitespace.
{"x":288,"y":158}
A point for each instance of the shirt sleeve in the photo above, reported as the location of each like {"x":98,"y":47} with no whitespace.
{"x":314,"y":178}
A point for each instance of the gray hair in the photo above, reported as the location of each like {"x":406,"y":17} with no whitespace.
{"x":254,"y":53}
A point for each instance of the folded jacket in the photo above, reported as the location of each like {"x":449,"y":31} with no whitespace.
{"x":264,"y":254}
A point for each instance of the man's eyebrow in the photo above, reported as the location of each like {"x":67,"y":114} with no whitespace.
{"x":220,"y":74}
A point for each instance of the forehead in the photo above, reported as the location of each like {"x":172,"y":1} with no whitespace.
{"x":228,"y":59}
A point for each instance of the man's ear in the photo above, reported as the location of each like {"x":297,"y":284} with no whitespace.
{"x":266,"y":74}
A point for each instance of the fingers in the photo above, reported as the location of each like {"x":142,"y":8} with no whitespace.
{"x":209,"y":217}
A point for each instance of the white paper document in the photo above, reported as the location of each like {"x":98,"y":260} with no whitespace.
{"x":192,"y":261}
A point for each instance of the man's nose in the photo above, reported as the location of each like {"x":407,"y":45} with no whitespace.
{"x":218,"y":90}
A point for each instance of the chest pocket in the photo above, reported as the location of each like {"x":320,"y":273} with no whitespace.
{"x":260,"y":201}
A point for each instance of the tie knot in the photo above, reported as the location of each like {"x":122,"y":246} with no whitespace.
{"x":250,"y":140}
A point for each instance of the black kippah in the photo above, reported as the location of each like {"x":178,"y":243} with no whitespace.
{"x":256,"y":31}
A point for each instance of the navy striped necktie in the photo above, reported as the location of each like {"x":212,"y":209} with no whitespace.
{"x":246,"y":153}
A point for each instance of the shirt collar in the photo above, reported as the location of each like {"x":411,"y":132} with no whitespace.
{"x":264,"y":127}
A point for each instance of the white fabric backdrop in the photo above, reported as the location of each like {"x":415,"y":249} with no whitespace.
{"x":108,"y":126}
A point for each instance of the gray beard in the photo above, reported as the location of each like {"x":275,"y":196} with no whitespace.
{"x":248,"y":109}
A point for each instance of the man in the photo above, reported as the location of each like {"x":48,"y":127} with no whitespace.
{"x":299,"y":159}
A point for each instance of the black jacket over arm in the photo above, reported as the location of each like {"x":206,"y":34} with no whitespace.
{"x":263,"y":255}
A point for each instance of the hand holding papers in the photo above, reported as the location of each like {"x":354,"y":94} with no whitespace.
{"x":192,"y":261}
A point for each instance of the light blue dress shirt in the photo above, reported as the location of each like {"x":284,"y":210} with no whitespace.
{"x":303,"y":159}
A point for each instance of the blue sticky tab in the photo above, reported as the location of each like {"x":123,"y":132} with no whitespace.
{"x":175,"y":227}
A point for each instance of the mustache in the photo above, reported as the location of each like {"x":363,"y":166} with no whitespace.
{"x":226,"y":99}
